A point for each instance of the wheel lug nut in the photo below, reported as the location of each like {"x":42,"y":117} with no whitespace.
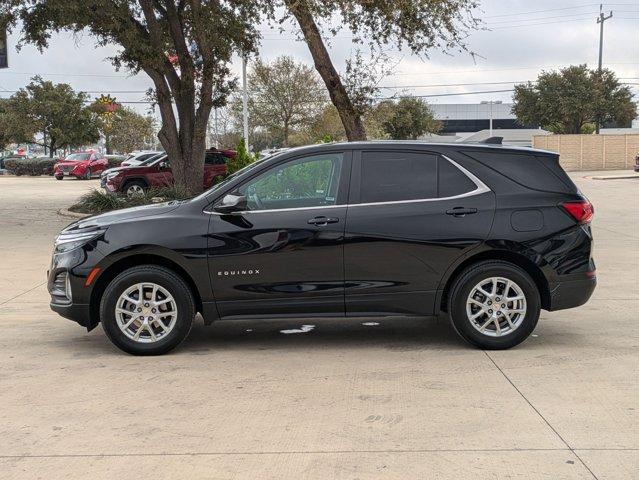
{"x":498,"y":313}
{"x":153,"y":310}
{"x":490,"y":311}
{"x":503,"y":306}
{"x":139,"y":309}
{"x":489,"y":302}
{"x":146,"y":304}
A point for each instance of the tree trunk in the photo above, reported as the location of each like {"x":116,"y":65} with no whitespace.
{"x":350,"y":118}
{"x":107,"y":144}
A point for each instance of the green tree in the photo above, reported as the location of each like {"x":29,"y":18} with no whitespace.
{"x":420,"y":25}
{"x":285,"y":96}
{"x":184,"y":46}
{"x":572,"y":99}
{"x":128,"y":131}
{"x":4,"y":138}
{"x":407,"y":119}
{"x":53,"y":111}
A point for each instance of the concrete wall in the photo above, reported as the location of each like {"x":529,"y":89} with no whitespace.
{"x":591,"y":152}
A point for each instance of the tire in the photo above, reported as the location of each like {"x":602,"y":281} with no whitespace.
{"x":153,"y":339}
{"x":59,"y":178}
{"x":498,"y":333}
{"x":134,"y":187}
{"x":87,"y":174}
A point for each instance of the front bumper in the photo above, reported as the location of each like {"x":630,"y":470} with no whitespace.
{"x":79,"y":313}
{"x":572,"y":293}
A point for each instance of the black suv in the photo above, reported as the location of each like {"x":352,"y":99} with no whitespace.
{"x":487,"y":235}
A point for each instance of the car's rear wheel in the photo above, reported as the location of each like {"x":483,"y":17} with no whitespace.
{"x":494,"y":305}
{"x":135,"y":188}
{"x":147,"y":310}
{"x":87,"y":174}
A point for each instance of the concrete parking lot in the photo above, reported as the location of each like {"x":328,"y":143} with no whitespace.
{"x":400,"y":399}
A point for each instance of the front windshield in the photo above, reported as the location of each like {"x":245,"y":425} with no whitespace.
{"x":78,"y":156}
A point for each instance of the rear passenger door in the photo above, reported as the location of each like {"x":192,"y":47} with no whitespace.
{"x":411,"y":214}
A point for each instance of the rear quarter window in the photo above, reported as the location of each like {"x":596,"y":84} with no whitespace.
{"x":536,"y":172}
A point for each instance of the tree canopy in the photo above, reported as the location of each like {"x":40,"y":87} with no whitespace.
{"x":184,"y":46}
{"x":569,"y":100}
{"x":420,"y":25}
{"x":48,"y":114}
{"x":128,"y":131}
{"x":284,"y":96}
{"x":407,"y":119}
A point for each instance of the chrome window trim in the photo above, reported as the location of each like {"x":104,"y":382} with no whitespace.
{"x":481,"y":188}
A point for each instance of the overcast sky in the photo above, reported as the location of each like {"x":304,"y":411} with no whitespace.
{"x":524,"y":38}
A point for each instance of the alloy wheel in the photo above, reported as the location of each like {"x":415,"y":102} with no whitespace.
{"x":146,"y":312}
{"x":496,"y":306}
{"x":134,"y":191}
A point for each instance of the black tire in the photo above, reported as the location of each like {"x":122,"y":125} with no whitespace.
{"x":167,"y":279}
{"x":133,"y":183}
{"x":87,"y":174}
{"x":461,"y":290}
{"x":59,"y":178}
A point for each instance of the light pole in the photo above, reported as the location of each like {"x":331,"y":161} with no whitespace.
{"x":245,"y":113}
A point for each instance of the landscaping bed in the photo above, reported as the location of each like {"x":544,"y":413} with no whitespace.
{"x":98,"y":201}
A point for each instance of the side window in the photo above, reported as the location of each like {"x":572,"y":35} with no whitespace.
{"x":388,"y":176}
{"x":214,"y":158}
{"x":304,"y":182}
{"x":452,"y":181}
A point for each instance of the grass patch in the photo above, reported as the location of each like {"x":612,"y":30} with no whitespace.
{"x":98,"y":201}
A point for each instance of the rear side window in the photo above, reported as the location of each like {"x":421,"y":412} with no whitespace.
{"x":389,"y":176}
{"x":539,"y":173}
{"x":214,"y":158}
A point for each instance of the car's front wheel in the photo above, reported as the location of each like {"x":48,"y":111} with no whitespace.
{"x":87,"y":174}
{"x":134,"y":188}
{"x":494,"y":305}
{"x":147,"y":310}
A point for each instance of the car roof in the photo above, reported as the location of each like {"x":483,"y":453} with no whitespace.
{"x":398,"y":144}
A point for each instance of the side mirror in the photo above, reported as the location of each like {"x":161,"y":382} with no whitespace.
{"x":231,"y":203}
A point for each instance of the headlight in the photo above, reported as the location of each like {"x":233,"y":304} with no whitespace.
{"x":112,"y":175}
{"x":75,"y":238}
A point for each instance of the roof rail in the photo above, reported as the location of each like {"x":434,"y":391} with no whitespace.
{"x":493,"y":140}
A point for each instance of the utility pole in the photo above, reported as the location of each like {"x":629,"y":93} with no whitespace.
{"x":490,"y":125}
{"x":600,"y":20}
{"x":245,"y":104}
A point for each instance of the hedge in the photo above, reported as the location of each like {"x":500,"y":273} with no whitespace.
{"x":30,"y":166}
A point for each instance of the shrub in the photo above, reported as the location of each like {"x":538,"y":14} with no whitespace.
{"x":98,"y":201}
{"x":30,"y":166}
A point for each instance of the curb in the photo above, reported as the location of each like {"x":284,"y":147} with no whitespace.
{"x":68,"y":213}
{"x":612,"y":177}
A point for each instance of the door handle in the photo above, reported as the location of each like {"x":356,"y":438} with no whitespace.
{"x":319,"y":221}
{"x":461,"y":211}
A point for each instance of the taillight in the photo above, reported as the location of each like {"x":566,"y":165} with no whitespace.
{"x":582,"y":211}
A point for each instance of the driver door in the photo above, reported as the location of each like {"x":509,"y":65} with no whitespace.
{"x":284,"y":254}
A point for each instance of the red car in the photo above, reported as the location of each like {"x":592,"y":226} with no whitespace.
{"x":156,"y":172}
{"x":81,"y":165}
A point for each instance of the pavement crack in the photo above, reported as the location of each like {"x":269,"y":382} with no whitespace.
{"x":563,"y":440}
{"x":23,"y":293}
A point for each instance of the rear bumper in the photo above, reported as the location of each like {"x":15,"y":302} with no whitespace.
{"x":572,"y":293}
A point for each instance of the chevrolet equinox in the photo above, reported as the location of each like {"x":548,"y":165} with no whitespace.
{"x":486,"y":235}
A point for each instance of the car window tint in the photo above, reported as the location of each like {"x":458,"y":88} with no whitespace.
{"x":214,"y":158}
{"x":388,"y":176}
{"x":305,"y":182}
{"x":525,"y":169}
{"x":452,"y":181}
